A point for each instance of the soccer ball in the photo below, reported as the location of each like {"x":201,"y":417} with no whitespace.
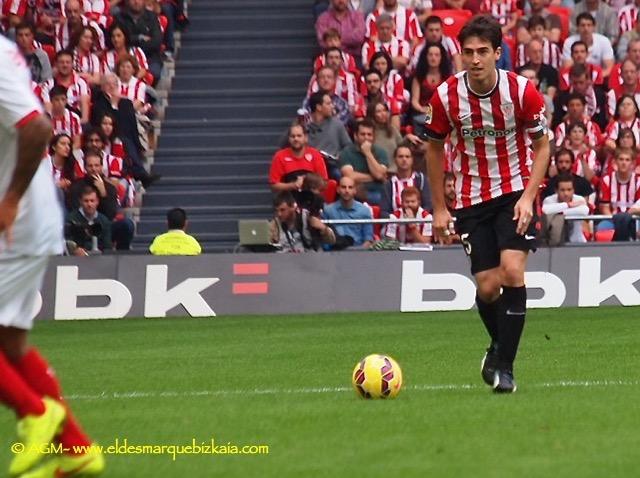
{"x":377,"y":376}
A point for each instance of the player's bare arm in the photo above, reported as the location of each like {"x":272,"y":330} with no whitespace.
{"x":434,"y":160}
{"x":523,"y":210}
{"x":32,"y":141}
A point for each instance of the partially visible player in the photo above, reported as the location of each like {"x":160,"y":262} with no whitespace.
{"x":30,"y":231}
{"x":496,"y":121}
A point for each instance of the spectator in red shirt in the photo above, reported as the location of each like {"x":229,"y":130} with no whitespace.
{"x":290,"y":165}
{"x":349,"y":23}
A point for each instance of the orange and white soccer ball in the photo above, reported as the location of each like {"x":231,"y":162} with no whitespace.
{"x":377,"y":376}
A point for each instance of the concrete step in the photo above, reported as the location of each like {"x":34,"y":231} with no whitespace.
{"x":147,"y":238}
{"x":223,"y":79}
{"x":231,"y":49}
{"x":210,"y":37}
{"x":234,"y":167}
{"x":238,"y":138}
{"x":188,"y":198}
{"x":191,"y":181}
{"x":276,"y":124}
{"x":248,"y":6}
{"x":238,"y":109}
{"x":234,"y":94}
{"x":240,"y":65}
{"x":209,"y":210}
{"x":243,"y":21}
{"x":196,"y":225}
{"x":212,"y":154}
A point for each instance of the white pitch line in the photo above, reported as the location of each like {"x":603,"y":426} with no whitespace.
{"x":288,"y":391}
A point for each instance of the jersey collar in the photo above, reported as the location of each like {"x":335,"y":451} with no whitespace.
{"x":486,"y":95}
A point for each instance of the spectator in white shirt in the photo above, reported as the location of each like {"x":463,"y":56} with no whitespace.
{"x":566,"y":203}
{"x":600,"y":49}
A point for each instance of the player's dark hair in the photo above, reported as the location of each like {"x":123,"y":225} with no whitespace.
{"x":619,"y":102}
{"x":578,"y":70}
{"x":433,"y":19}
{"x":536,"y":21}
{"x":316,"y":99}
{"x":410,"y":191}
{"x":565,"y":177}
{"x":484,"y":27}
{"x":422,"y":68}
{"x":585,"y":16}
{"x":578,"y":43}
{"x":365,"y":123}
{"x":57,"y":90}
{"x":563,"y":152}
{"x":176,"y":218}
{"x":64,"y":52}
{"x":284,"y":197}
{"x":576,"y":96}
{"x":24,"y":25}
{"x":578,"y":124}
{"x":385,"y":55}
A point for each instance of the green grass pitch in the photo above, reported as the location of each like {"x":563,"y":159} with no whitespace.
{"x":285,"y":382}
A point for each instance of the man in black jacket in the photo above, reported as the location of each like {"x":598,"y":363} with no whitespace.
{"x":86,"y":222}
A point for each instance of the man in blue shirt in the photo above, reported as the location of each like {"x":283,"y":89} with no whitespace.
{"x":348,"y":208}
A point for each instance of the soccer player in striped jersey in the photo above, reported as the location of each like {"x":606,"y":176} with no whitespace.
{"x":496,"y":121}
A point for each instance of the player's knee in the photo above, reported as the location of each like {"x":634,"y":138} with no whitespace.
{"x":13,"y":344}
{"x":512,"y":275}
{"x":489,"y":289}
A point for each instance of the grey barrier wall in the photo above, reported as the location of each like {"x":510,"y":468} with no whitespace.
{"x":408,"y":281}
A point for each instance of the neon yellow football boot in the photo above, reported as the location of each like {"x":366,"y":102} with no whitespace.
{"x":62,"y":466}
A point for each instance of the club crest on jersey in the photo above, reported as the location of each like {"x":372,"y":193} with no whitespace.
{"x":507,"y":109}
{"x":308,"y":157}
{"x":428,"y":115}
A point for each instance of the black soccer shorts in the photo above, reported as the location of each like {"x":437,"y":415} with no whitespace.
{"x":487,"y":228}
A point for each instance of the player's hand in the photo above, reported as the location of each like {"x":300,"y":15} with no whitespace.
{"x":8,"y":213}
{"x":441,"y":221}
{"x":523,"y":214}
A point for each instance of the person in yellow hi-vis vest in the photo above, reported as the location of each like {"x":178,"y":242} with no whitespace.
{"x":175,"y":242}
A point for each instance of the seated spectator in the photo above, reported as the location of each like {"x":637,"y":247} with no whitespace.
{"x":88,"y":230}
{"x":627,"y":115}
{"x":564,"y":162}
{"x":176,"y":14}
{"x":432,"y":69}
{"x":65,"y":169}
{"x":599,"y":46}
{"x":121,"y":228}
{"x":64,"y":120}
{"x":392,"y":82}
{"x":605,"y":18}
{"x":576,"y":113}
{"x":406,"y":25}
{"x":365,"y":163}
{"x":130,"y":86}
{"x":345,"y":83}
{"x":176,"y":241}
{"x":387,"y":137}
{"x":78,"y":93}
{"x":586,"y":164}
{"x":144,"y":31}
{"x":579,"y":55}
{"x":630,"y":86}
{"x":109,"y":100}
{"x":326,"y":133}
{"x":290,"y":165}
{"x":397,"y":48}
{"x":113,"y":144}
{"x":633,"y":54}
{"x":550,"y":53}
{"x":74,"y":21}
{"x":547,"y":73}
{"x":346,"y":207}
{"x":620,"y":196}
{"x":553,"y":25}
{"x":85,"y":62}
{"x":348,"y":23}
{"x":325,"y":80}
{"x":332,"y":39}
{"x":594,"y":97}
{"x":418,"y":233}
{"x":98,"y":11}
{"x":564,"y":203}
{"x":373,"y":93}
{"x":626,"y":140}
{"x":12,"y":13}
{"x":37,"y":59}
{"x":120,"y":47}
{"x":404,"y":177}
{"x":628,"y":47}
{"x":505,"y":11}
{"x":628,"y":20}
{"x":433,"y":35}
{"x":296,"y":230}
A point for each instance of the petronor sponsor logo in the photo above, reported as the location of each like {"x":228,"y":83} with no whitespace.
{"x":491,"y":133}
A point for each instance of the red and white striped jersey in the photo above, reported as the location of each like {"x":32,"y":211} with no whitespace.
{"x":398,"y":232}
{"x":115,"y":147}
{"x":58,"y":173}
{"x":627,"y":18}
{"x":405,"y":20}
{"x":613,"y":129}
{"x":134,"y":89}
{"x":77,"y":89}
{"x":501,"y":10}
{"x":491,"y":134}
{"x":346,"y":87}
{"x":110,"y":58}
{"x":596,"y":76}
{"x":620,"y":194}
{"x":98,"y":11}
{"x":85,"y":62}
{"x":591,"y":158}
{"x":398,"y":185}
{"x":68,"y":123}
{"x":348,"y":62}
{"x":392,"y":88}
{"x":593,"y":137}
{"x":13,"y":7}
{"x":41,"y":93}
{"x":615,"y":77}
{"x":551,"y":55}
{"x":395,"y":47}
{"x":112,"y":166}
{"x":63,"y":35}
{"x":614,"y":94}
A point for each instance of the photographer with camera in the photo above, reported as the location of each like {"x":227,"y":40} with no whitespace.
{"x":86,"y":230}
{"x":299,"y":229}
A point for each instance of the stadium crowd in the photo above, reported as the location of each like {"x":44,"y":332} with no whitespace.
{"x":367,"y":100}
{"x":94,"y":67}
